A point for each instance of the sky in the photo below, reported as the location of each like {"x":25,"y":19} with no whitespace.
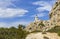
{"x":15,"y":12}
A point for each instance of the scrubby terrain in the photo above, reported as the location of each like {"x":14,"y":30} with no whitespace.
{"x":13,"y":33}
{"x":53,"y":33}
{"x":20,"y":33}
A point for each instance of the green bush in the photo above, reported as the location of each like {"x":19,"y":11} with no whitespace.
{"x":13,"y":33}
{"x":56,"y":29}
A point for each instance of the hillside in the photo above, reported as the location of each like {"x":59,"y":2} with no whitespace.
{"x":53,"y":33}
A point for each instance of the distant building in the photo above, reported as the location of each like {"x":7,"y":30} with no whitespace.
{"x":34,"y":25}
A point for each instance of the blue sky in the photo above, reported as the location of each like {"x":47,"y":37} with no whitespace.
{"x":14,"y":12}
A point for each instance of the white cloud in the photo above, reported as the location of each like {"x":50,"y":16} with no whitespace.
{"x":6,"y":12}
{"x":39,"y":15}
{"x":43,"y":5}
{"x":15,"y":24}
{"x":40,"y":9}
{"x":9,"y":12}
{"x":6,"y":3}
{"x":2,"y":24}
{"x":19,"y":22}
{"x":39,"y":3}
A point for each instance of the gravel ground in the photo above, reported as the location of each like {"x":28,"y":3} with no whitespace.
{"x":42,"y":36}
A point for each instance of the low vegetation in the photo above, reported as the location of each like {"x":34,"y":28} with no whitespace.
{"x":46,"y":37}
{"x":13,"y":33}
{"x":56,"y":29}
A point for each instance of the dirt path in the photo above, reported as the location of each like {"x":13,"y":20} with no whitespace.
{"x":42,"y":36}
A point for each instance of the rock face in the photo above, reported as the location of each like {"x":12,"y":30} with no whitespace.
{"x":42,"y":36}
{"x":55,"y":14}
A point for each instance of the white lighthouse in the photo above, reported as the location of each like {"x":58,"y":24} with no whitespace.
{"x":36,"y":18}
